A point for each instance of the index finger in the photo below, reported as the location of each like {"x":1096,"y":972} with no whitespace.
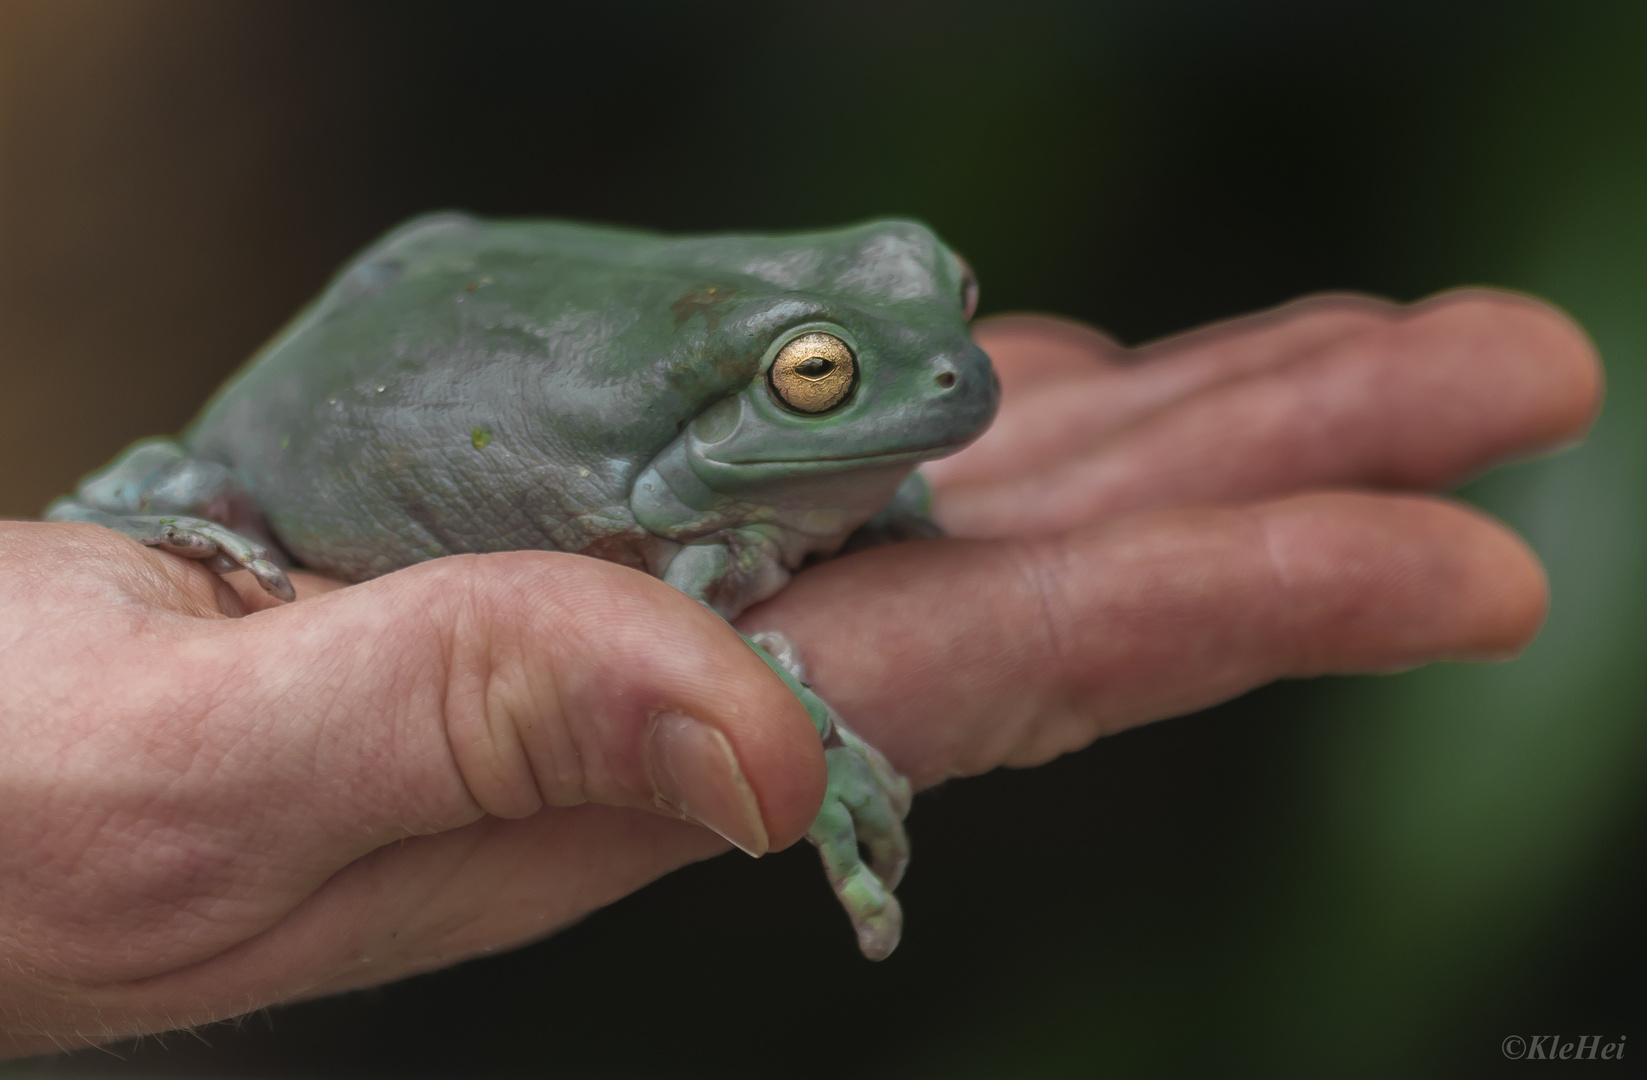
{"x":1422,"y":401}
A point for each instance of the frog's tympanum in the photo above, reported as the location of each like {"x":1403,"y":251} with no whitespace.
{"x":712,"y":410}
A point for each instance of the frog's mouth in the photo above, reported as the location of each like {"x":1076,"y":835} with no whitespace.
{"x":823,"y":462}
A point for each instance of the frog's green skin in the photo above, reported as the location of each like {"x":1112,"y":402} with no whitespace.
{"x":470,"y":386}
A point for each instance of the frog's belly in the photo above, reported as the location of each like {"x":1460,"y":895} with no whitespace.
{"x":358,"y":555}
{"x":359,"y":531}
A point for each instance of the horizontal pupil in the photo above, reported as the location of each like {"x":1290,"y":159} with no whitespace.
{"x":814,"y":367}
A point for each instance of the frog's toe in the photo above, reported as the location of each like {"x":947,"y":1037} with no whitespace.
{"x":218,"y":548}
{"x":859,"y":832}
{"x":272,"y":579}
{"x":879,"y":931}
{"x":878,"y":802}
{"x":221,"y":549}
{"x":868,"y":900}
{"x":886,"y":843}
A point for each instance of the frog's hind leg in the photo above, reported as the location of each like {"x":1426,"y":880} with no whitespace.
{"x":863,"y":811}
{"x":158,"y":495}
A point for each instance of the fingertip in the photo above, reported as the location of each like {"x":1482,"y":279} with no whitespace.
{"x":1575,"y":379}
{"x":781,"y":757}
{"x":1510,"y":593}
{"x":1407,"y":579}
{"x":1558,"y":369}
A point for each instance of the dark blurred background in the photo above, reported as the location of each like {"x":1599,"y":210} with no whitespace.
{"x":1349,"y":877}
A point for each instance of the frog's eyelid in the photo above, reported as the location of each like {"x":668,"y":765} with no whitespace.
{"x":817,"y":326}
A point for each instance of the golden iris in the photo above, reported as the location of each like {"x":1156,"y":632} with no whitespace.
{"x":814,"y":373}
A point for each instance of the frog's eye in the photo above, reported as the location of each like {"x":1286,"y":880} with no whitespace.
{"x":814,"y":373}
{"x":969,"y":290}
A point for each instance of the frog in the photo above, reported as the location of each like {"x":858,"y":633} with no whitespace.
{"x":714,"y":410}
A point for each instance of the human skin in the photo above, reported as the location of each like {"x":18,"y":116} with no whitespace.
{"x":213,"y":803}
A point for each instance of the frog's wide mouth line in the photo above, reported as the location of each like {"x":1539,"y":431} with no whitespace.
{"x":918,"y":453}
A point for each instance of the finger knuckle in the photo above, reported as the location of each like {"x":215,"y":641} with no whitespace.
{"x":512,"y":735}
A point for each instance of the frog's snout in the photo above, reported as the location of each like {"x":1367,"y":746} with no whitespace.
{"x":947,"y":378}
{"x":950,"y":373}
{"x":965,"y":382}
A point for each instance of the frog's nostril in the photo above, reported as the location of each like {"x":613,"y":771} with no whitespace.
{"x":946,"y":379}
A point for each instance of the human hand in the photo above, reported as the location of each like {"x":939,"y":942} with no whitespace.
{"x":205,"y":814}
{"x":201,"y":815}
{"x":1147,"y":532}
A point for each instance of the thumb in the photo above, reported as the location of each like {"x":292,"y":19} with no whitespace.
{"x":500,"y":684}
{"x":193,"y":799}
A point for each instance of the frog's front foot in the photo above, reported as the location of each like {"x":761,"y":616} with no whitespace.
{"x":863,"y":814}
{"x":220,"y":549}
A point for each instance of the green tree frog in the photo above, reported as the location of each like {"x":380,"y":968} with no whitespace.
{"x":713,"y":410}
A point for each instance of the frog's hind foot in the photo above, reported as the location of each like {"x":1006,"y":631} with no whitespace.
{"x":159,"y":496}
{"x":863,"y":815}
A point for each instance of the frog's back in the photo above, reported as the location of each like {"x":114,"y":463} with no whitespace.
{"x":467,"y":385}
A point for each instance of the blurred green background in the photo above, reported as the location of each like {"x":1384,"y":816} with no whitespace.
{"x":1348,"y":877}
